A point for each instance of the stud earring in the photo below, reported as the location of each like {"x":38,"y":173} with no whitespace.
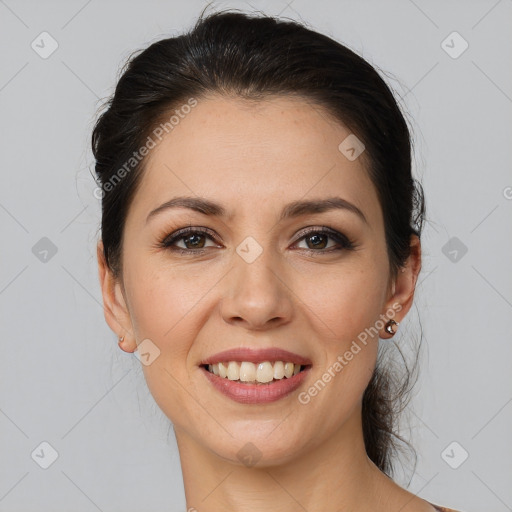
{"x":389,"y":327}
{"x":120,"y":342}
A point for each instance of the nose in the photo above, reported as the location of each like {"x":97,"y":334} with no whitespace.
{"x":257,"y":296}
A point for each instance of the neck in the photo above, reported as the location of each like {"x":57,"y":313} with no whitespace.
{"x":336,"y":475}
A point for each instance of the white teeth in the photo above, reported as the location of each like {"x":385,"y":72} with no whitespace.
{"x":249,"y":372}
{"x":223,"y":370}
{"x":233,"y":370}
{"x":214,"y":368}
{"x":278,"y":370}
{"x":265,"y":372}
{"x":288,"y":370}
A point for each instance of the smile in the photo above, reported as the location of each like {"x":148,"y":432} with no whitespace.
{"x":252,"y":373}
{"x":255,"y":376}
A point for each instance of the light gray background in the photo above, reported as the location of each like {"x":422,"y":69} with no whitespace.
{"x":63,"y":379}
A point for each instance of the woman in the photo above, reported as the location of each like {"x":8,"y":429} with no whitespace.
{"x":260,"y":233}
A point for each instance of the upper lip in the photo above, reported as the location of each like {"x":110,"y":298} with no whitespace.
{"x":259,"y":355}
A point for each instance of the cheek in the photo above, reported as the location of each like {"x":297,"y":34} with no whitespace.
{"x":163,"y":303}
{"x":344,"y":301}
{"x":162,"y":299}
{"x":344,"y":308}
{"x":346,"y":304}
{"x":167,"y":306}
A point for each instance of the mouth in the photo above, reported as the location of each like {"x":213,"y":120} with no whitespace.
{"x":251,"y":376}
{"x":249,"y":373}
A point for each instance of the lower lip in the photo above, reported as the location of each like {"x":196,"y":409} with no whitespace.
{"x":256,"y":393}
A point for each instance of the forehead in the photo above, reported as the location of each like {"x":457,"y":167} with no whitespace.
{"x":245,"y":154}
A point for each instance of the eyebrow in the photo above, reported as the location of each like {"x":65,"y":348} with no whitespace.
{"x":291,"y":210}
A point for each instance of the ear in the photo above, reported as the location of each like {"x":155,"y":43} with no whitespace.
{"x":114,"y":304}
{"x":402,"y":288}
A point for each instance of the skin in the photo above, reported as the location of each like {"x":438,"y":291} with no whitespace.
{"x":254,"y":158}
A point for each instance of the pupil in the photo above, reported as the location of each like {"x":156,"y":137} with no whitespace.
{"x":313,"y":237}
{"x":192,"y":237}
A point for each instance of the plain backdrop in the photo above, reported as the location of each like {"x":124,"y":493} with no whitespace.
{"x":63,"y":380}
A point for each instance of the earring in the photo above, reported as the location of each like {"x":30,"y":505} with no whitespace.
{"x":389,"y":327}
{"x":120,"y":342}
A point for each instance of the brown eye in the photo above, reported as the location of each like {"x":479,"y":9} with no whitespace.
{"x":195,"y":240}
{"x":317,"y":240}
{"x":192,"y":239}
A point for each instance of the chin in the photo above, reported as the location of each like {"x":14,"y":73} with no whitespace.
{"x":264,"y":443}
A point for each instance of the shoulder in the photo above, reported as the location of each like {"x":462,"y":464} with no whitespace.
{"x":443,"y":509}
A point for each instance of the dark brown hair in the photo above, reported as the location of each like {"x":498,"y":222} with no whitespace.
{"x":255,"y":57}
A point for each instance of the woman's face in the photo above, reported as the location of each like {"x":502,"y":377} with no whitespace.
{"x":256,"y":279}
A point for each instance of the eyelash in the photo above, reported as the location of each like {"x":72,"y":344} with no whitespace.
{"x":168,"y":241}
